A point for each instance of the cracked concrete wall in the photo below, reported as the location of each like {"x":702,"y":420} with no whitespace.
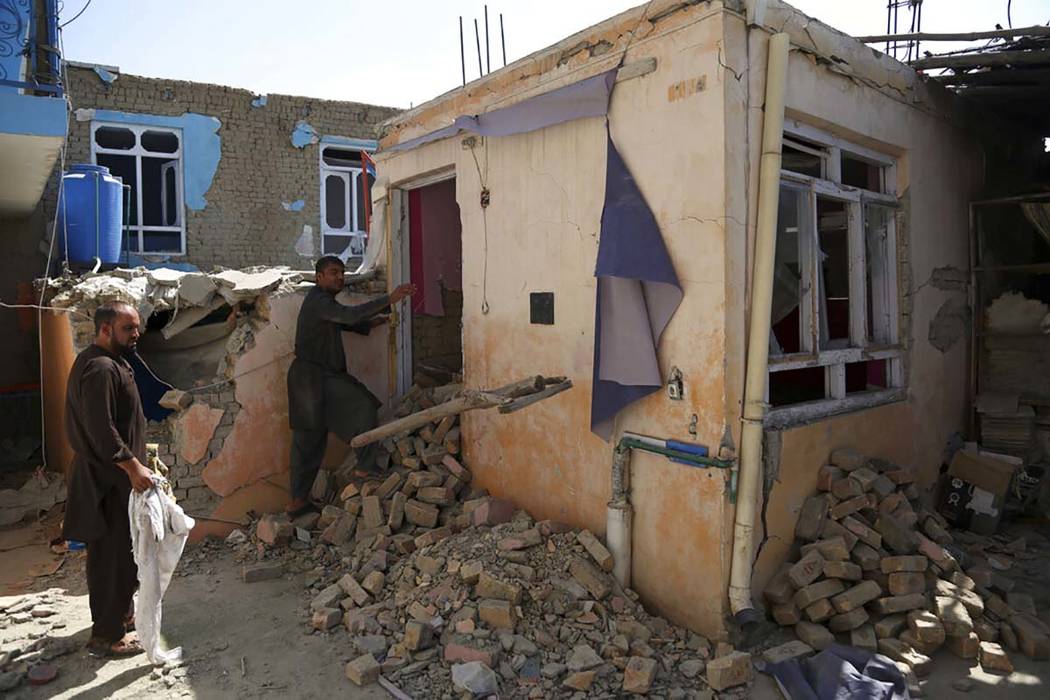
{"x":547,"y":190}
{"x":875,"y":102}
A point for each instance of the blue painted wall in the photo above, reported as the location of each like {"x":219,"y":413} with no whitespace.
{"x":31,"y":115}
{"x":14,"y":30}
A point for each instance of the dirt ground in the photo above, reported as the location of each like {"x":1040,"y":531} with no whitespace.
{"x":218,"y":620}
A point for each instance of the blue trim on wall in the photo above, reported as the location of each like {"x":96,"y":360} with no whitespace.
{"x":359,"y":144}
{"x":16,"y":19}
{"x":201,"y":147}
{"x":32,"y":115}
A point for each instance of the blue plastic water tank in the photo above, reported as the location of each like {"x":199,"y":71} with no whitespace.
{"x":90,"y":214}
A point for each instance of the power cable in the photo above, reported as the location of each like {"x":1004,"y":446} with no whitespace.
{"x":82,"y":11}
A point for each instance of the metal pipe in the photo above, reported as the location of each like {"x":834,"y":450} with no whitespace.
{"x":756,"y":377}
{"x":502,"y":39}
{"x":488,"y":61}
{"x":477,"y":40}
{"x":462,"y":54}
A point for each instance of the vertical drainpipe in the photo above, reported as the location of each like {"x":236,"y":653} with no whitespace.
{"x":754,"y":409}
{"x":619,"y":516}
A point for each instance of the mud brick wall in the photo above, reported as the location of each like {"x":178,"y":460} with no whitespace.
{"x":438,"y":340}
{"x":244,"y":222}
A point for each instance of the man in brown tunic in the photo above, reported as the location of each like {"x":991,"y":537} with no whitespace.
{"x":107,"y":431}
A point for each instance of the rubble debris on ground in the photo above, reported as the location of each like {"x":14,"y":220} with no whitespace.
{"x":25,"y":658}
{"x":880,"y":571}
{"x":444,"y":589}
{"x":39,"y":493}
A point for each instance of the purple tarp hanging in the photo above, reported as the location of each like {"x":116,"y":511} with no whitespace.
{"x":638,"y":292}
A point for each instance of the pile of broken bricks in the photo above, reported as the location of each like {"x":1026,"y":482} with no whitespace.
{"x":472,"y":596}
{"x":883,"y":572}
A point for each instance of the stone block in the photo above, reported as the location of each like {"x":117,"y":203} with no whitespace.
{"x":806,"y":570}
{"x":953,"y":615}
{"x":418,"y":635}
{"x":811,"y":518}
{"x":728,"y":671}
{"x":848,"y":620}
{"x":818,"y":591}
{"x":992,"y":657}
{"x":844,"y":570}
{"x":497,"y":614}
{"x":364,"y":670}
{"x":421,"y":514}
{"x":590,"y":577}
{"x":596,"y":549}
{"x":965,"y":646}
{"x":786,"y":614}
{"x":890,"y":626}
{"x":489,"y":586}
{"x":817,"y":636}
{"x":907,"y":583}
{"x":820,"y":611}
{"x":857,"y":596}
{"x":909,"y":563}
{"x":374,"y":582}
{"x":898,"y":604}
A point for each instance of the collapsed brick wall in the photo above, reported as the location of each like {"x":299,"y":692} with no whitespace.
{"x":437,"y":341}
{"x":244,"y":222}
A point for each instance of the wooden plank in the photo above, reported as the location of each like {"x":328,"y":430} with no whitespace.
{"x":858,"y":306}
{"x":524,"y":401}
{"x":995,"y":77}
{"x":997,"y":58}
{"x":787,"y":363}
{"x":964,"y":36}
{"x":802,"y":414}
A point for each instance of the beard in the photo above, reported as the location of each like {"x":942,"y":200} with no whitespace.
{"x":125,"y":349}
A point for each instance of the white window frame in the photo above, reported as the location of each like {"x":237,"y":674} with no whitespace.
{"x":135,"y":231}
{"x":885,"y":307}
{"x":350,"y":177}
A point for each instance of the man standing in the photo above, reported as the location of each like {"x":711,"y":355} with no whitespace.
{"x":322,"y":396}
{"x":107,"y":431}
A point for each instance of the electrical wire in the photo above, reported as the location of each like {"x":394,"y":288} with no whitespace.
{"x":5,"y":305}
{"x":82,"y":11}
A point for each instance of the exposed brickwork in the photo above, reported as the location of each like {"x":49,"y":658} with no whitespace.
{"x":244,"y":223}
{"x":437,"y":341}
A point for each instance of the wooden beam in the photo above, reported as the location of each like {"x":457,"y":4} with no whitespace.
{"x":969,"y":36}
{"x":992,"y":58}
{"x":995,"y":77}
{"x":524,"y":401}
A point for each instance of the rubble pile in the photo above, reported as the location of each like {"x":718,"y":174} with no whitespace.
{"x":444,"y":589}
{"x":883,"y":572}
{"x":28,"y":650}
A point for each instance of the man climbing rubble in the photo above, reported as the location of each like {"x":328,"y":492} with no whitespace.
{"x":107,"y":431}
{"x":322,"y":396}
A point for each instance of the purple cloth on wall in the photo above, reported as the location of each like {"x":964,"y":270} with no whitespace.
{"x":638,"y":292}
{"x":587,"y":98}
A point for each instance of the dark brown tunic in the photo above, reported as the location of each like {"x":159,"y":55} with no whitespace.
{"x":104,"y":425}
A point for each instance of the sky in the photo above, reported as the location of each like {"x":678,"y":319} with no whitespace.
{"x":397,"y":52}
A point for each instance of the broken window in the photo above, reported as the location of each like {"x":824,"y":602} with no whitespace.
{"x":833,"y":334}
{"x":148,"y":160}
{"x":345,"y":185}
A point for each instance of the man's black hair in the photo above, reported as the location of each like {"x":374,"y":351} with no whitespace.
{"x":327,"y":261}
{"x":108,"y":312}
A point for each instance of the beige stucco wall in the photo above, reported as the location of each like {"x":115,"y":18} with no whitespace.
{"x":938,"y":174}
{"x":547,"y":190}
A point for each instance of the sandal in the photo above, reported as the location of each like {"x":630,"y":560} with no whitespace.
{"x":125,"y":646}
{"x":309,"y":507}
{"x":129,"y":623}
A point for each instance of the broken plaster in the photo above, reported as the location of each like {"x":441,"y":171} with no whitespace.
{"x":950,"y":325}
{"x":305,"y":245}
{"x":304,"y":135}
{"x":297,"y":205}
{"x":259,"y":101}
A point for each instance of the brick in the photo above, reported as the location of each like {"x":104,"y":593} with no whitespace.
{"x":972,"y":601}
{"x":883,"y":487}
{"x":901,"y":476}
{"x":891,"y":626}
{"x":833,"y":529}
{"x":897,"y":537}
{"x":864,"y":533}
{"x":820,"y":611}
{"x":494,"y":511}
{"x":786,"y":614}
{"x":470,"y":571}
{"x":899,"y":651}
{"x":436,"y":495}
{"x":891,"y":503}
{"x":349,"y":492}
{"x":461,"y":652}
{"x":274,"y":530}
{"x":998,"y":607}
{"x":779,"y":589}
{"x":864,"y":477}
{"x":354,"y":590}
{"x":364,"y":670}
{"x":1009,"y":637}
{"x":907,"y":583}
{"x":986,"y":630}
{"x":817,"y":636}
{"x":863,"y":637}
{"x":374,"y":582}
{"x":857,"y":596}
{"x":590,"y":577}
{"x":848,"y":620}
{"x":639,"y":674}
{"x":908,"y":563}
{"x":326,"y":618}
{"x":341,"y":531}
{"x":827,"y":476}
{"x":729,"y":671}
{"x":785,"y":652}
{"x":372,"y":512}
{"x":421,"y":514}
{"x":910,"y":638}
{"x":490,"y":587}
{"x":329,"y":514}
{"x":849,"y":507}
{"x":818,"y":591}
{"x":867,"y":558}
{"x":936,"y":554}
{"x":992,"y":657}
{"x":953,"y":615}
{"x":522,"y":540}
{"x":497,"y":614}
{"x":431,"y":536}
{"x":328,"y":598}
{"x":842,"y":570}
{"x":581,"y":680}
{"x":833,"y":548}
{"x":964,"y":646}
{"x":926,"y":627}
{"x":456,"y":468}
{"x":396,"y":517}
{"x":898,"y":604}
{"x":1031,"y":636}
{"x":806,"y":570}
{"x":1020,"y":602}
{"x":811,"y":518}
{"x":846,"y":488}
{"x":602,"y":557}
{"x":254,"y":573}
{"x":848,"y":459}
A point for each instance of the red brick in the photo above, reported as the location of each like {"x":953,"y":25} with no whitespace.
{"x":953,"y":615}
{"x":817,"y":636}
{"x":494,"y":511}
{"x":639,"y":674}
{"x":964,"y":646}
{"x":807,"y":570}
{"x":833,"y":529}
{"x":848,"y":459}
{"x":865,"y":556}
{"x":856,"y":597}
{"x":907,"y":563}
{"x":456,"y":652}
{"x":421,"y":514}
{"x":1031,"y":636}
{"x":497,"y":614}
{"x":890,"y":626}
{"x":363,"y":670}
{"x":728,"y":671}
{"x":833,"y":548}
{"x":848,"y":507}
{"x":896,"y":536}
{"x":820,"y":611}
{"x":811,"y":518}
{"x":848,"y":620}
{"x":993,"y":658}
{"x":907,"y":583}
{"x":899,"y":651}
{"x":786,"y":614}
{"x":863,"y":532}
{"x":818,"y":591}
{"x":846,"y":488}
{"x":827,"y":476}
{"x":842,"y":570}
{"x":898,"y":604}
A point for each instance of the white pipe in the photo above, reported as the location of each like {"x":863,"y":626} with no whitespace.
{"x":758,"y":332}
{"x":619,"y":517}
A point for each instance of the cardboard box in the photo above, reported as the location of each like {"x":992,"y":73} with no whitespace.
{"x":983,"y":471}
